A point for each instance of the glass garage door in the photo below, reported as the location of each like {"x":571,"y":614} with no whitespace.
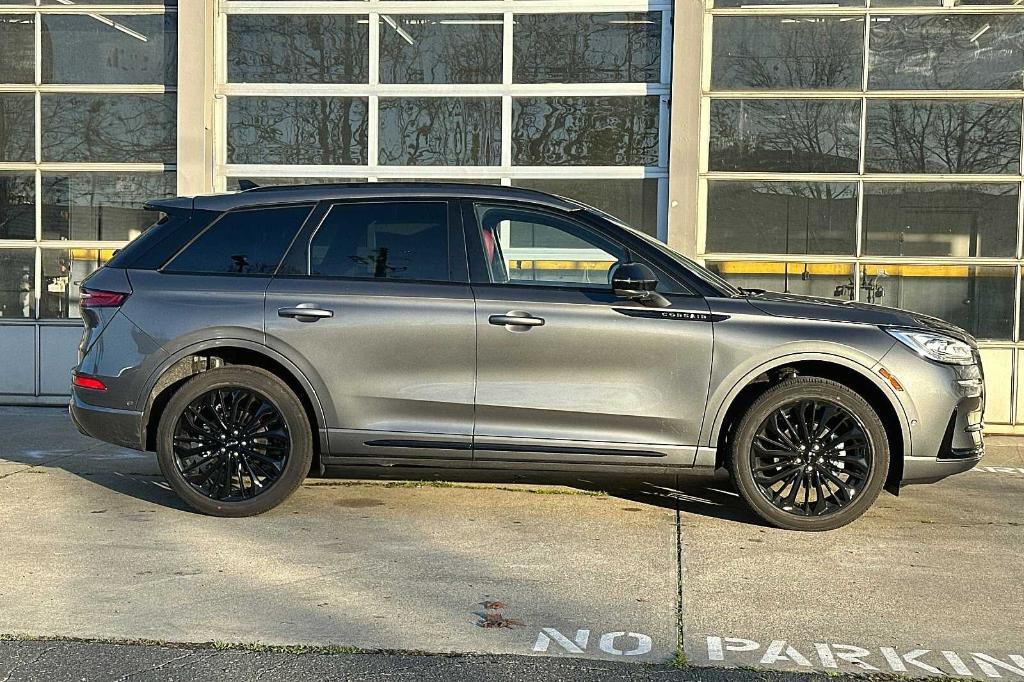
{"x":87,"y":134}
{"x":560,"y":97}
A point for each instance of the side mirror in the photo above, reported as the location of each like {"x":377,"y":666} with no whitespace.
{"x":637,"y":282}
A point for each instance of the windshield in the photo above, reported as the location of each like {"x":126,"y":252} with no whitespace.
{"x":698,"y":270}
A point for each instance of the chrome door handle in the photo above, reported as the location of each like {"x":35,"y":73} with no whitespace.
{"x":516,"y":318}
{"x":305,"y":312}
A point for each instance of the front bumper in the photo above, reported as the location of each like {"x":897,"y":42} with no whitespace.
{"x":932,"y":469}
{"x":944,"y":405}
{"x":120,"y":427}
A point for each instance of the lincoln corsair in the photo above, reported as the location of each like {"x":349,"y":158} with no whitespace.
{"x":251,"y":338}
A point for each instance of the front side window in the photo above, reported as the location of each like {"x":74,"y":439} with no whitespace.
{"x":527,"y":246}
{"x":399,"y":240}
{"x":242,"y":243}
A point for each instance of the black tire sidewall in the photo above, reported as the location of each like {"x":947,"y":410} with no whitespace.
{"x":282,"y":397}
{"x":804,"y":388}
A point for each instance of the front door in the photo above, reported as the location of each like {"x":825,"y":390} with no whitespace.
{"x":568,"y":372}
{"x":370,"y":303}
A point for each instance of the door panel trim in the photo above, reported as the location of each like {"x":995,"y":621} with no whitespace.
{"x":362,"y":444}
{"x":488,"y":450}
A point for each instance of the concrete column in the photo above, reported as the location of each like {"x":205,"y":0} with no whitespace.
{"x":196,"y":27}
{"x":684,"y":124}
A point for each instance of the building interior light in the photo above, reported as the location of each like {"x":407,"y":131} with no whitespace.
{"x":398,"y":29}
{"x":980,"y":32}
{"x":111,"y":23}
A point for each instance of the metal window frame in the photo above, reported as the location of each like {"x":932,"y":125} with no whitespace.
{"x":861,"y":178}
{"x":506,"y":173}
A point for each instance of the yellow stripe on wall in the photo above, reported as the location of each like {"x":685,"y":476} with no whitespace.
{"x":560,"y":265}
{"x":846,"y":269}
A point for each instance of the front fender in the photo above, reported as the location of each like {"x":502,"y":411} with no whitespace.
{"x":740,"y":376}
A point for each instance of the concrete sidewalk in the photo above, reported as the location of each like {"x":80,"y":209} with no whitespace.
{"x":97,"y":546}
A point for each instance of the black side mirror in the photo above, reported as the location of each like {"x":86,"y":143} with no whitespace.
{"x":637,"y":282}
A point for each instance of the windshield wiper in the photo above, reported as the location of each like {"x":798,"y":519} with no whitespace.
{"x":751,"y":292}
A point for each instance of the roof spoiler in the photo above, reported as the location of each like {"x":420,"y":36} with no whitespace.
{"x":170,"y":205}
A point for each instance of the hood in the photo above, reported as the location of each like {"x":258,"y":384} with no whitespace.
{"x":834,"y":310}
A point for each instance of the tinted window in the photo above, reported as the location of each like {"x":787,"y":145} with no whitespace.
{"x":242,"y":243}
{"x":523,"y":246}
{"x":403,"y":240}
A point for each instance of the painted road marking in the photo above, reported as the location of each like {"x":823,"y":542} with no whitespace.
{"x":610,"y":642}
{"x":745,"y":652}
{"x":998,"y":470}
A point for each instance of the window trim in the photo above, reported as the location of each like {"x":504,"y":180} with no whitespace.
{"x":480,"y":276}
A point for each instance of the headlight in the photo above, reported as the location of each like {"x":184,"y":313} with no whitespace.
{"x":937,"y":347}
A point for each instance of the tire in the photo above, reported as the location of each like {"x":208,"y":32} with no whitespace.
{"x":259,"y":437}
{"x":823,"y":441}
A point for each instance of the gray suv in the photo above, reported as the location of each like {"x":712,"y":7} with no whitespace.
{"x":251,"y":338}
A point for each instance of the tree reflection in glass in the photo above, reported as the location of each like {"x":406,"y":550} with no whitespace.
{"x":787,"y":53}
{"x":934,"y":136}
{"x":795,"y":135}
{"x":585,"y":131}
{"x":297,"y":130}
{"x":298,"y":48}
{"x":440,"y":131}
{"x":947,"y":52}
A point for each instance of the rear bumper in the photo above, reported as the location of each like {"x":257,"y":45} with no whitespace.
{"x":120,"y":427}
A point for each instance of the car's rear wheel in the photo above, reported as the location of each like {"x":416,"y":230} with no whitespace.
{"x":810,"y":454}
{"x":234,"y":441}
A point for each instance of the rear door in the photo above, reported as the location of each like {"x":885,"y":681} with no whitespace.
{"x":568,"y":372}
{"x":373,"y":302}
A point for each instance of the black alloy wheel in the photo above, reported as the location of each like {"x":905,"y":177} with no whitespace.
{"x":811,"y":457}
{"x":809,"y":454}
{"x":234,"y":441}
{"x":231,"y":444}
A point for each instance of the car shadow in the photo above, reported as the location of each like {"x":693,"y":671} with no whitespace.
{"x":712,"y":497}
{"x":136,"y":475}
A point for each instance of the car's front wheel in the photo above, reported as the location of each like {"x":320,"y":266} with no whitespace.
{"x":234,"y":441}
{"x":810,"y":454}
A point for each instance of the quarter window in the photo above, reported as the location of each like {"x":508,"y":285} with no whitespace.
{"x":401,"y":240}
{"x":523,"y":246}
{"x":242,"y":243}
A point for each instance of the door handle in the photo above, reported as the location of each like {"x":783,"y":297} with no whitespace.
{"x":305,"y":312}
{"x":516,"y":318}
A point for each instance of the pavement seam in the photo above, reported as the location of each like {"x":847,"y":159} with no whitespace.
{"x":680,"y":604}
{"x":48,"y":462}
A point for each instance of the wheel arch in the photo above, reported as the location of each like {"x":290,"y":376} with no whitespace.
{"x":202,"y":357}
{"x":850,"y":373}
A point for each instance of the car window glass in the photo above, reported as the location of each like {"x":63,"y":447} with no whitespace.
{"x":248,"y":242}
{"x":526,"y":246}
{"x":396,"y":240}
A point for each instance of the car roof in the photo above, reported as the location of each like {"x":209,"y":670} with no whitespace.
{"x":285,"y":194}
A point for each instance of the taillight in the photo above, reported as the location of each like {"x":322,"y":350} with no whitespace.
{"x":97,"y":298}
{"x":83,"y":381}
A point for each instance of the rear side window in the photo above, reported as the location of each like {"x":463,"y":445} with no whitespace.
{"x":396,"y":240}
{"x":250,"y":242}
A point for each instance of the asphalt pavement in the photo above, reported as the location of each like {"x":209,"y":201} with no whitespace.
{"x":505,"y":575}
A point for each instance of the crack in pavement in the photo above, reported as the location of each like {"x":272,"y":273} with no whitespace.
{"x":22,"y":664}
{"x":162,"y":666}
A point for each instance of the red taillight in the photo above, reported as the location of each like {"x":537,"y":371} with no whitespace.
{"x":97,"y":298}
{"x":87,"y":382}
